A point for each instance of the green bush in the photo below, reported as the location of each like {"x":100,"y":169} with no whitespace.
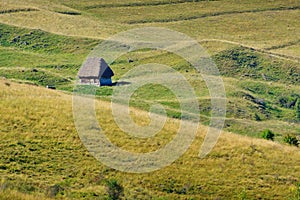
{"x":114,"y":189}
{"x":268,"y":134}
{"x":291,"y":139}
{"x":257,"y":117}
{"x":298,"y":109}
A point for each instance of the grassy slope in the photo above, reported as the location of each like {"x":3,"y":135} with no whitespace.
{"x":58,"y":56}
{"x":26,"y":49}
{"x":40,"y":148}
{"x":252,"y":28}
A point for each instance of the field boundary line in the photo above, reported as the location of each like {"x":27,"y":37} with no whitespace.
{"x":18,"y":10}
{"x":139,"y":4}
{"x":186,"y":18}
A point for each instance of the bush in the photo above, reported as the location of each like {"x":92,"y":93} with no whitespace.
{"x":268,"y":134}
{"x":257,"y":117}
{"x":298,"y":109}
{"x":114,"y":189}
{"x":291,"y":139}
{"x":54,"y":190}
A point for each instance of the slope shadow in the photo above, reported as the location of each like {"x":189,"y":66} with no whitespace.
{"x":120,"y":83}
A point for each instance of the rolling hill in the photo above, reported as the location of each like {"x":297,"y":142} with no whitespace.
{"x":254,"y":43}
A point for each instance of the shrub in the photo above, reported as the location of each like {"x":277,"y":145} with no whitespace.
{"x":54,"y":190}
{"x":257,"y":117}
{"x":114,"y":189}
{"x":268,"y":134}
{"x":291,"y":139}
{"x":298,"y":109}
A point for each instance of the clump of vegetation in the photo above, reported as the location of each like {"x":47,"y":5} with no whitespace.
{"x":291,"y":139}
{"x":297,"y":191}
{"x":298,"y":109}
{"x":54,"y":190}
{"x":257,"y":117}
{"x":243,"y":194}
{"x":114,"y":189}
{"x":268,"y":135}
{"x":288,"y":101}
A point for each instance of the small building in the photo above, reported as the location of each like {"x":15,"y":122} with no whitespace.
{"x":96,"y":71}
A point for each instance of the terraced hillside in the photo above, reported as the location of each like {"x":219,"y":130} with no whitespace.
{"x":255,"y":45}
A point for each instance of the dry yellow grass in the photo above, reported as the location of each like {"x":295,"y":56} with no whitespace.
{"x":61,"y":24}
{"x":293,"y":50}
{"x":258,"y":29}
{"x":32,"y":116}
{"x":15,"y":195}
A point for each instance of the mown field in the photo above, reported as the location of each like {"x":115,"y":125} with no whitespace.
{"x":255,"y":45}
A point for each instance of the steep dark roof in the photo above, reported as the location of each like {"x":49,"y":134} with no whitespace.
{"x":95,"y":68}
{"x":105,"y":70}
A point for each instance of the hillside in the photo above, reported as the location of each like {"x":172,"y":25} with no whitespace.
{"x":254,"y":43}
{"x":44,"y":58}
{"x":41,"y":150}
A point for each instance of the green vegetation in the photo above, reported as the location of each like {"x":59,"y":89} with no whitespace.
{"x":297,"y":191}
{"x":298,"y":109}
{"x":40,"y":41}
{"x":244,"y":62}
{"x":291,"y":139}
{"x":114,"y":189}
{"x":268,"y":135}
{"x":40,"y":57}
{"x":255,"y":45}
{"x":48,"y":59}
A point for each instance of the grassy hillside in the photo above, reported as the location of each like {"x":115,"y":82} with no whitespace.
{"x":261,"y":101}
{"x":43,"y":156}
{"x":248,"y":22}
{"x":255,"y":45}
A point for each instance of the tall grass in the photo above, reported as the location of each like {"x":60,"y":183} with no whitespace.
{"x":41,"y":150}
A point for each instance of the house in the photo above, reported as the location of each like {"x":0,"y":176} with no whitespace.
{"x":95,"y":71}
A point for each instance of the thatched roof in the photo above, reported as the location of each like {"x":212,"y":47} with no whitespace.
{"x":95,"y":68}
